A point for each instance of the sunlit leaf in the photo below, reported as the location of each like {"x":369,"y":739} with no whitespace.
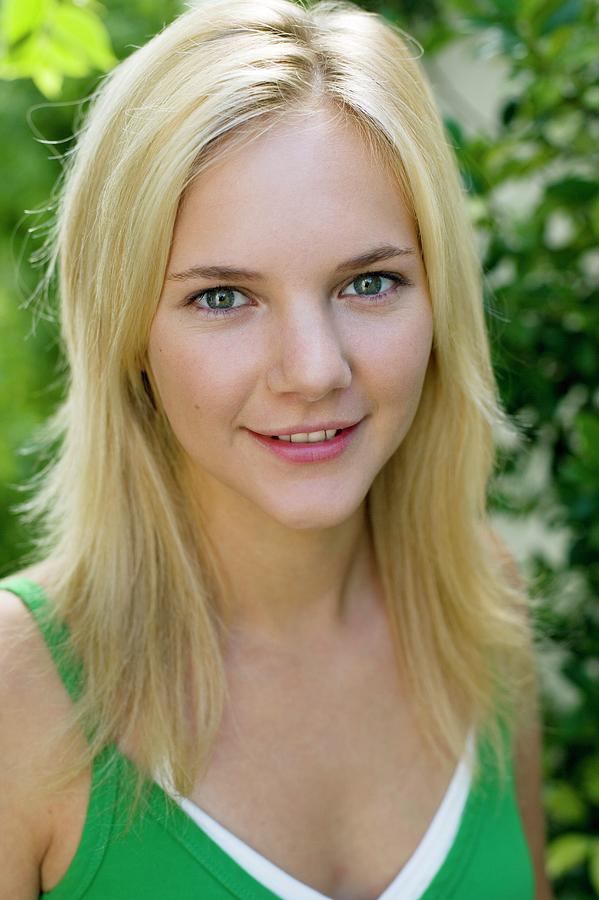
{"x":48,"y":82}
{"x":62,"y":57}
{"x":84,"y":32}
{"x":19,"y":17}
{"x":566,"y":852}
{"x":594,"y":866}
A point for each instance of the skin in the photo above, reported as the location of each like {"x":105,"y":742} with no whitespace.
{"x":305,"y":348}
{"x":305,"y":345}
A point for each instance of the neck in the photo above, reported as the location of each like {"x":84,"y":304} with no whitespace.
{"x":280,"y":585}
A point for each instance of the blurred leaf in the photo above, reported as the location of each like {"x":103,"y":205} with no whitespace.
{"x":590,"y":778}
{"x":19,"y":17}
{"x":61,"y":40}
{"x":594,"y":866}
{"x":48,"y":81}
{"x":61,"y":57}
{"x":564,"y":804}
{"x":81,"y":29}
{"x":567,"y":852}
{"x":587,"y":425}
{"x":509,"y":110}
{"x":572,"y":190}
{"x":566,"y":14}
{"x":455,"y":131}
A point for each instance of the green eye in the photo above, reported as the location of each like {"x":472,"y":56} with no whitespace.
{"x":370,"y":284}
{"x":220,"y":300}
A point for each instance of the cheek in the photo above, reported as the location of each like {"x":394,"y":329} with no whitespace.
{"x":396,"y":357}
{"x":199,"y":377}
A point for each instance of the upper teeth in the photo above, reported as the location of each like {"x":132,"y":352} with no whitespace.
{"x":308,"y":437}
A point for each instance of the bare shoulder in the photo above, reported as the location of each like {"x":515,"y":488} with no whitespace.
{"x":24,"y":657}
{"x":528,"y":750}
{"x":25,"y":662}
{"x":32,"y":701}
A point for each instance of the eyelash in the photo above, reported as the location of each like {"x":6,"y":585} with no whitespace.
{"x":400,"y":281}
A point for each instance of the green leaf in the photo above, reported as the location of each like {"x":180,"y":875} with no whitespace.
{"x":564,"y":804}
{"x":590,"y":98}
{"x":20,"y":17}
{"x":594,"y":866}
{"x":590,"y":776}
{"x":81,"y":30}
{"x":566,"y":852}
{"x":45,"y":62}
{"x":55,"y":40}
{"x":62,"y":58}
{"x":567,"y":14}
{"x":587,"y":427}
{"x":48,"y":82}
{"x":509,"y":110}
{"x":454,"y":129}
{"x":507,"y":9}
{"x":572,"y":190}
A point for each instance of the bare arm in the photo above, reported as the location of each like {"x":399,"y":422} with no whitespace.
{"x":527,"y":762}
{"x":22,"y":824}
{"x":527,"y":769}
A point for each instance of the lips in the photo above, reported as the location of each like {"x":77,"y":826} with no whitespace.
{"x":302,"y":428}
{"x":308,"y":452}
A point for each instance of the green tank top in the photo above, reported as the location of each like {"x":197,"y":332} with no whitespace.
{"x":164,"y":855}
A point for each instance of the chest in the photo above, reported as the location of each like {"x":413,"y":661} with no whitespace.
{"x":320,"y":768}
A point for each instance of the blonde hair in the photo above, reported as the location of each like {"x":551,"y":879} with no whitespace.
{"x":133,"y":574}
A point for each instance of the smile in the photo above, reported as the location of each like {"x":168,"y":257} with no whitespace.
{"x":310,"y":437}
{"x":309,"y":446}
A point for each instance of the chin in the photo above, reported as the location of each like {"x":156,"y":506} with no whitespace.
{"x":313,"y":514}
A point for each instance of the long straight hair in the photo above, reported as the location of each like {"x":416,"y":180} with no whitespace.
{"x":133,"y":573}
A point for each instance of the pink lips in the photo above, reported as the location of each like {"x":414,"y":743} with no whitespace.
{"x":304,"y":452}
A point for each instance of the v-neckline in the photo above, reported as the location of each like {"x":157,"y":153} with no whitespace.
{"x":409,"y":883}
{"x":243,"y":885}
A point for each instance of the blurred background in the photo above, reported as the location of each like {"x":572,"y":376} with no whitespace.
{"x":518,"y":84}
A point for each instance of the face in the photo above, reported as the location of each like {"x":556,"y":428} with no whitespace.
{"x":305,"y":341}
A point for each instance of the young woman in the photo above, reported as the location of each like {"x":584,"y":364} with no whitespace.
{"x":271,"y":646}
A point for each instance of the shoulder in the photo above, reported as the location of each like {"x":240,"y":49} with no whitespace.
{"x":24,"y":657}
{"x":25,"y":662}
{"x":33,"y":702}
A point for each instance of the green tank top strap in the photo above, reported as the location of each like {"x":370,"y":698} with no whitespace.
{"x":54,"y":632}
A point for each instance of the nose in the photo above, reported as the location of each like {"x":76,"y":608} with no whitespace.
{"x":308,"y":358}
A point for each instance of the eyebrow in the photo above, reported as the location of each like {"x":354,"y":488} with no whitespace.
{"x":374,"y":255}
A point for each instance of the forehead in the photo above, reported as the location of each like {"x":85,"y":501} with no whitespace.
{"x":310,"y":187}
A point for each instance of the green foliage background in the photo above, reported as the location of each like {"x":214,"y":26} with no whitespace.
{"x":541,"y":259}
